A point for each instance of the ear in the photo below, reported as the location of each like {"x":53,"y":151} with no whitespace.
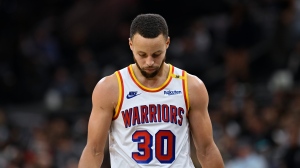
{"x":130,"y":43}
{"x":168,"y":42}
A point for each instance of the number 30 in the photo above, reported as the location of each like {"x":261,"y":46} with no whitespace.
{"x":145,"y":142}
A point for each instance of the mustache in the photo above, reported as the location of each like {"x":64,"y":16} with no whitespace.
{"x":151,"y":67}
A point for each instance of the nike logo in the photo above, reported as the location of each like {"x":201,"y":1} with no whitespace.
{"x":132,"y":94}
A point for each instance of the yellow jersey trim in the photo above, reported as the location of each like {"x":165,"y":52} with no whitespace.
{"x":185,"y":88}
{"x":121,"y":95}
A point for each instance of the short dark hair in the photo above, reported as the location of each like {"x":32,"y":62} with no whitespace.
{"x":149,"y":26}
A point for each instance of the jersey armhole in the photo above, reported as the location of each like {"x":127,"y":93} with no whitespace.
{"x":185,"y":91}
{"x":120,"y":95}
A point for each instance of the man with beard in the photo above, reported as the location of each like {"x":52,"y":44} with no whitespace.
{"x":149,"y":108}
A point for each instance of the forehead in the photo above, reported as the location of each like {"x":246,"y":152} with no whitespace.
{"x":140,"y":41}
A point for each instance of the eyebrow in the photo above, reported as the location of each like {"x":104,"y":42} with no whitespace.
{"x":159,"y":51}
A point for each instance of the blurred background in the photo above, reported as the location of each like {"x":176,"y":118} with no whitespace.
{"x":52,"y":54}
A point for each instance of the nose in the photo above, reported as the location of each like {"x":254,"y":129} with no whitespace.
{"x":149,"y":61}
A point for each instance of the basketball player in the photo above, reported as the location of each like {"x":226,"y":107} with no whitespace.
{"x":149,"y":108}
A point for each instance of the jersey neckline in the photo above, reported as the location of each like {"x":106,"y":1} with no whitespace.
{"x":147,"y":89}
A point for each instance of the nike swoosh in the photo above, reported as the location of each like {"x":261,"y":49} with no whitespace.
{"x":131,"y":96}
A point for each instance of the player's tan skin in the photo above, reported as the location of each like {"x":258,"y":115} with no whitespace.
{"x":149,"y":54}
{"x":200,"y":125}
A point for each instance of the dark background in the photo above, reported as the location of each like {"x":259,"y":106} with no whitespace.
{"x":52,"y":54}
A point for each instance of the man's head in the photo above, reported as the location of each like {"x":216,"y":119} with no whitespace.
{"x":149,"y":40}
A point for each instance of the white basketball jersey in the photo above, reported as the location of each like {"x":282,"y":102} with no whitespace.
{"x":150,"y":127}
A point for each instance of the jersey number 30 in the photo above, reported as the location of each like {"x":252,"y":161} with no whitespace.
{"x":164,"y":139}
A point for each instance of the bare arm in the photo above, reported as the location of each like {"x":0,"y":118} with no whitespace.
{"x":104,"y":99}
{"x":207,"y":152}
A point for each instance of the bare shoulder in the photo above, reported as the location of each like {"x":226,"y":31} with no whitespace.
{"x":195,"y":84}
{"x":197,"y":90}
{"x":106,"y":90}
{"x":107,"y":83}
{"x":194,"y":81}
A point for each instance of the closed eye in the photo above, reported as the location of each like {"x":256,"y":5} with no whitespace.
{"x":156,"y":55}
{"x":142,"y":54}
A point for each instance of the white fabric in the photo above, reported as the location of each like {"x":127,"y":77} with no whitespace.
{"x":151,"y":126}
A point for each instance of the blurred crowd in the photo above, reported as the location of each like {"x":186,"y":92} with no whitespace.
{"x":52,"y":54}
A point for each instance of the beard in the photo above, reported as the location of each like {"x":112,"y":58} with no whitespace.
{"x":150,"y":75}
